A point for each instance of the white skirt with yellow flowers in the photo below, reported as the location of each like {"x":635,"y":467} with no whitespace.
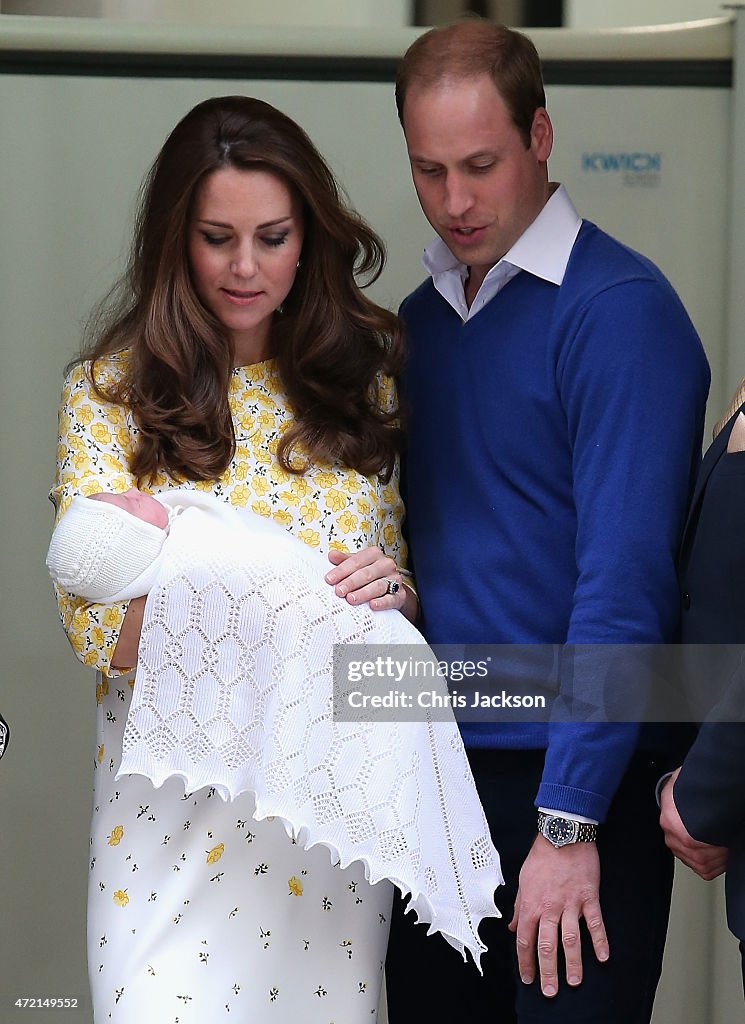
{"x":198,"y":913}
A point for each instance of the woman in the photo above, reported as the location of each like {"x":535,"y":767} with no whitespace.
{"x":241,"y":359}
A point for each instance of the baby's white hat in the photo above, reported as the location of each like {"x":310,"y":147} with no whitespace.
{"x":103,"y":553}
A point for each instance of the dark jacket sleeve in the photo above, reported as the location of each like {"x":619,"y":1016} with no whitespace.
{"x":710,"y":790}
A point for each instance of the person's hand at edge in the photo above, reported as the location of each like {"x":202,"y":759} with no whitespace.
{"x":707,"y":861}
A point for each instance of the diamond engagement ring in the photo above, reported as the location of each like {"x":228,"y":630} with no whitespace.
{"x":393,"y":586}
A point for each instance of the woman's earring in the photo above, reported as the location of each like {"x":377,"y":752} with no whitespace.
{"x":298,"y":265}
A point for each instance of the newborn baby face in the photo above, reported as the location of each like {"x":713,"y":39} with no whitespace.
{"x":137,"y":503}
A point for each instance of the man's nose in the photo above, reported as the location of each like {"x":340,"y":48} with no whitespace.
{"x":458,"y":196}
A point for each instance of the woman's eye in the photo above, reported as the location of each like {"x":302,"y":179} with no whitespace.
{"x":214,"y":239}
{"x":275,"y":240}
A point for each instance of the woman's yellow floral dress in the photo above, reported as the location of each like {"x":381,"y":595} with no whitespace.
{"x":196,"y":912}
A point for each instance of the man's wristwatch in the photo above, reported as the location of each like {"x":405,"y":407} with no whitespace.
{"x":563,"y":831}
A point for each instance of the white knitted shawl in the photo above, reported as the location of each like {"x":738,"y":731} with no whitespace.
{"x":234,"y":690}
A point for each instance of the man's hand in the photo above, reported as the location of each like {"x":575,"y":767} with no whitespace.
{"x":557,"y":888}
{"x":707,"y":861}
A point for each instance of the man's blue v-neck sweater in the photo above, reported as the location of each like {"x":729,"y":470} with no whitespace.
{"x":552,"y":442}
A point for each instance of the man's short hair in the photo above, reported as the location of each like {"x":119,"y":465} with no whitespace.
{"x":473,"y":47}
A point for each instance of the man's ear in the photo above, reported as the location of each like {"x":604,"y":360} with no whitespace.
{"x":541,"y":135}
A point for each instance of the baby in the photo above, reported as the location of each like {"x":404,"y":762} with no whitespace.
{"x":235,"y":689}
{"x":106,"y":546}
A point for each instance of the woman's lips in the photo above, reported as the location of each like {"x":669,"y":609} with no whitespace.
{"x":240,"y":298}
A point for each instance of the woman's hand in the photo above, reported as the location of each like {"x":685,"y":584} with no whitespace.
{"x":373,"y":577}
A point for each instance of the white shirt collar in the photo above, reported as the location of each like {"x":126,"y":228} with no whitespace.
{"x":543,"y":249}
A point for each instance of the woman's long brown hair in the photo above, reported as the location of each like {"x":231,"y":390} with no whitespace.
{"x":331,"y":342}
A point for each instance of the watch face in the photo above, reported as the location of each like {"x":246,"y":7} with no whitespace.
{"x":560,"y":831}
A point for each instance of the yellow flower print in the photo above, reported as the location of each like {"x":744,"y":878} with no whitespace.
{"x":90,"y":658}
{"x":97,"y":636}
{"x":120,"y":483}
{"x":284,"y":426}
{"x":215,"y":853}
{"x":100,"y":753}
{"x":278,"y":475}
{"x":347,"y":522}
{"x":78,"y":641}
{"x":262,"y":508}
{"x":104,"y":686}
{"x":90,"y":487}
{"x":112,"y":463}
{"x":64,"y":423}
{"x":289,"y":498}
{"x":266,"y":420}
{"x":255,"y":372}
{"x":75,"y":443}
{"x":242,"y":470}
{"x":335,"y":500}
{"x":389,"y":495}
{"x":351,"y":483}
{"x":300,"y":487}
{"x":310,"y":537}
{"x":240,"y":495}
{"x":282,"y":516}
{"x":324,"y":480}
{"x":246,"y":422}
{"x":272,"y":445}
{"x":363,"y":506}
{"x":203,"y":485}
{"x":309,"y":511}
{"x":123,"y":437}
{"x":365,"y":526}
{"x":260,"y":485}
{"x":112,"y":618}
{"x":266,"y":400}
{"x":76,"y":398}
{"x":85,"y":415}
{"x":296,"y":886}
{"x":100,"y":432}
{"x":389,"y":535}
{"x":115,"y":416}
{"x":338,"y":545}
{"x":99,"y":693}
{"x":117,"y":834}
{"x":81,"y":461}
{"x":263,"y":456}
{"x":120,"y":898}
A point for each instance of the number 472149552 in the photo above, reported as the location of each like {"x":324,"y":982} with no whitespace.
{"x":46,"y":1003}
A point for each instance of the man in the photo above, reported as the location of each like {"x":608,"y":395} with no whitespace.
{"x":556,"y":392}
{"x":703,"y":803}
